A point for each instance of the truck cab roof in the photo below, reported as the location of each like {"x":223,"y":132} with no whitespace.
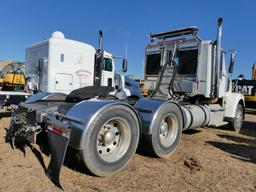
{"x":59,"y":38}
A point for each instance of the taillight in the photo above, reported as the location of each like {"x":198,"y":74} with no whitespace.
{"x":57,"y":130}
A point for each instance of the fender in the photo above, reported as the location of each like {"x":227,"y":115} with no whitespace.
{"x":231,"y":101}
{"x":86,"y":111}
{"x":67,"y":124}
{"x":46,"y":96}
{"x":149,"y":110}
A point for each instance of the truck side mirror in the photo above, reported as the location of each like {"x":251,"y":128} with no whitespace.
{"x":124,"y":65}
{"x":232,"y":62}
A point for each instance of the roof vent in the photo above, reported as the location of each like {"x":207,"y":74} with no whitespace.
{"x":58,"y":34}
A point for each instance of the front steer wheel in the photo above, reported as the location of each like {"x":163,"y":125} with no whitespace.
{"x":111,"y":140}
{"x":236,"y":122}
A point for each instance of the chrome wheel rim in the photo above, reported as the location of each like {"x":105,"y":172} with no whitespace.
{"x":168,"y":130}
{"x":239,"y":118}
{"x":113,"y":139}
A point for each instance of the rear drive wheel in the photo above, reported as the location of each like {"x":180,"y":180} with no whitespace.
{"x":166,"y":133}
{"x":111,"y":140}
{"x":237,"y":121}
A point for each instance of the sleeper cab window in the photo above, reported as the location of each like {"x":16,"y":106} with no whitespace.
{"x":187,"y":62}
{"x":153,"y":63}
{"x":61,"y":57}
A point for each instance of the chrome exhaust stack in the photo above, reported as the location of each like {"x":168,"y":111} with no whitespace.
{"x":100,"y":40}
{"x":218,"y":55}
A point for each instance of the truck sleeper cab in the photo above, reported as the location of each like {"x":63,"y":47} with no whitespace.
{"x":61,"y":65}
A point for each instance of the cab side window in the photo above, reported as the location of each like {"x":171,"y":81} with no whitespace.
{"x":108,"y":66}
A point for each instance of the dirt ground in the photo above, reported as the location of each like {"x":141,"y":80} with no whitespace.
{"x":206,"y":160}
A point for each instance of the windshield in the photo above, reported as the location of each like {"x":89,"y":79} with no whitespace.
{"x":153,"y":63}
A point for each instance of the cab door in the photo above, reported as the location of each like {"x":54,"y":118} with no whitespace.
{"x":107,"y":74}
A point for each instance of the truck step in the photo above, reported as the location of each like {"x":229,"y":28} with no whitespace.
{"x":219,"y":124}
{"x":160,"y":97}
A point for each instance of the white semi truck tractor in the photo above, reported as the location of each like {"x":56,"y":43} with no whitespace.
{"x":61,"y":65}
{"x":189,"y":89}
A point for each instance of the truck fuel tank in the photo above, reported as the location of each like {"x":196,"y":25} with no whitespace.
{"x":195,"y":116}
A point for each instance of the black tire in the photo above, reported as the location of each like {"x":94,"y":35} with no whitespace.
{"x":111,"y":97}
{"x":153,"y":144}
{"x":94,"y":161}
{"x":132,"y":100}
{"x":237,"y":122}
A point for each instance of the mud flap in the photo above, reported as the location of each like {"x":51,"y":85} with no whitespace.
{"x":58,"y":146}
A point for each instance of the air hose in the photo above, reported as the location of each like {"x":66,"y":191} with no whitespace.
{"x":170,"y":87}
{"x":160,"y":75}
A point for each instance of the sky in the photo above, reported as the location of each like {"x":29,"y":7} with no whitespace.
{"x":23,"y":22}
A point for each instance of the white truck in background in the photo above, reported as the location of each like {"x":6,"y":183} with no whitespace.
{"x":61,"y":65}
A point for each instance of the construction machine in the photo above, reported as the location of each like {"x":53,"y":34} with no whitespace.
{"x":189,"y":88}
{"x":12,"y":83}
{"x":12,"y":77}
{"x":247,"y":87}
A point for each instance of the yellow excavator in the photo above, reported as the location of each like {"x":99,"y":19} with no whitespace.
{"x":12,"y":77}
{"x":251,"y":97}
{"x":254,"y":72}
{"x":12,"y":83}
{"x":247,"y":87}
